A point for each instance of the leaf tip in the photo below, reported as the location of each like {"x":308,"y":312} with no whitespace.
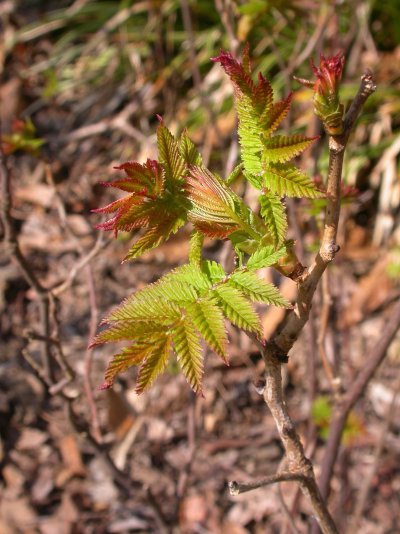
{"x":105,"y":385}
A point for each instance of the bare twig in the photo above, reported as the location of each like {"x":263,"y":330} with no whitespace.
{"x":88,"y":361}
{"x":236,"y":488}
{"x":197,"y":80}
{"x":324,"y":319}
{"x":366,"y":485}
{"x":356,"y":390}
{"x":285,"y":509}
{"x":225,"y":12}
{"x":13,"y":249}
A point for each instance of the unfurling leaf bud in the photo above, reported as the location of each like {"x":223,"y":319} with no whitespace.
{"x":327,"y":105}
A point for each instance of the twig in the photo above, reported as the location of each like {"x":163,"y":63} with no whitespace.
{"x":324,"y":319}
{"x":13,"y":249}
{"x":285,"y":509}
{"x":83,"y":262}
{"x":367,"y":480}
{"x":88,"y":361}
{"x":356,"y":390}
{"x":236,"y":488}
{"x":197,"y":80}
{"x":225,"y":12}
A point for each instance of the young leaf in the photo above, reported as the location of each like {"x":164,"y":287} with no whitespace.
{"x":259,"y":117}
{"x":213,"y":205}
{"x":273,"y":212}
{"x":122,"y":361}
{"x":265,"y":257}
{"x":237,"y":171}
{"x":213,"y":270}
{"x":209,"y":321}
{"x":189,"y":352}
{"x":271,"y":118}
{"x":144,"y":305}
{"x":285,"y":179}
{"x":196,"y":245}
{"x":129,"y":330}
{"x":237,"y":308}
{"x":281,"y":148}
{"x":170,"y":157}
{"x":257,"y":290}
{"x":154,"y":364}
{"x":155,"y":236}
{"x":188,"y":151}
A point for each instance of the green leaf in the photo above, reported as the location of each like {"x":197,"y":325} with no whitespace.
{"x":154,"y":237}
{"x":249,"y":135}
{"x":154,"y":364}
{"x":237,"y":171}
{"x":128,"y":357}
{"x":272,"y":117}
{"x":209,"y":321}
{"x":257,"y":289}
{"x":189,"y":352}
{"x":168,"y":150}
{"x":282,"y":148}
{"x":237,"y":308}
{"x":273,"y":212}
{"x":144,"y":304}
{"x":196,"y":246}
{"x":130,"y":329}
{"x":286,"y":179}
{"x":190,"y":274}
{"x":188,"y":151}
{"x":213,"y":270}
{"x":265,"y":257}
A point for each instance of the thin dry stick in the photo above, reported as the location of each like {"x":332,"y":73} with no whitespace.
{"x":44,"y":371}
{"x":236,"y":488}
{"x":366,"y":485}
{"x":275,"y":352}
{"x":13,"y":249}
{"x":324,"y":319}
{"x":356,"y":390}
{"x":88,"y":361}
{"x":94,"y":315}
{"x":289,"y":521}
{"x":225,"y":12}
{"x":197,"y":80}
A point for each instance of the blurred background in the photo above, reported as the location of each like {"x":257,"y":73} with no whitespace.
{"x":81,"y":84}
